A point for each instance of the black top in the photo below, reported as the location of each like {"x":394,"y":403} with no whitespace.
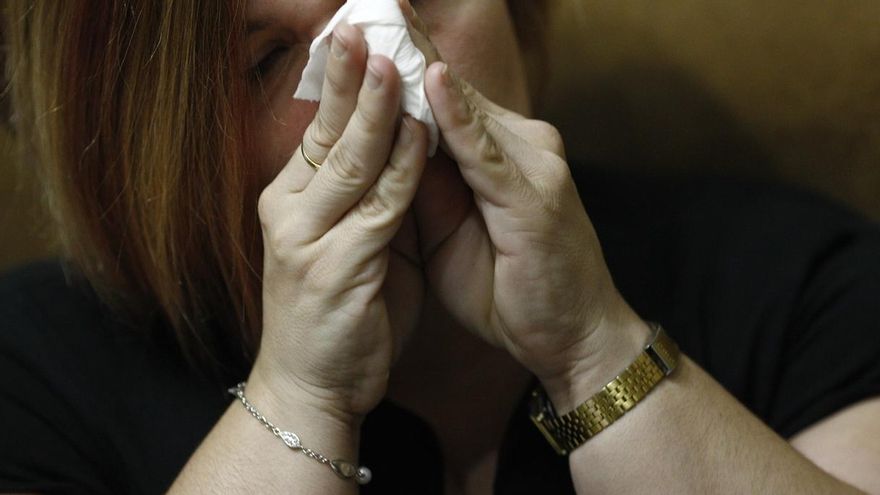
{"x":774,"y":292}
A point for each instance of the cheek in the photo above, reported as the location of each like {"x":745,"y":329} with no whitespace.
{"x":479,"y":42}
{"x":278,"y":130}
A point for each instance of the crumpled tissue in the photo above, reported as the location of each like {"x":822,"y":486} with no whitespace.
{"x":385,"y":31}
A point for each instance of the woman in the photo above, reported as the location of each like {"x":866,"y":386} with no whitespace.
{"x":448,"y":286}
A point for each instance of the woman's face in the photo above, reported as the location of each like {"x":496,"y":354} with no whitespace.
{"x":475,"y":37}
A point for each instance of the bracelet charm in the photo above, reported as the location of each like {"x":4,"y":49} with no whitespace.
{"x":290,"y":439}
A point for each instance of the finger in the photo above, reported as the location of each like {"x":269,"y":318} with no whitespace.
{"x":378,"y":215}
{"x":484,"y":103}
{"x":481,"y":146}
{"x":538,"y":133}
{"x":294,"y":176}
{"x":508,"y":118}
{"x":418,"y":32}
{"x":343,"y":79}
{"x":362,"y":151}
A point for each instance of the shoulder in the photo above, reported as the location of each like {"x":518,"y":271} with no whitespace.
{"x":47,"y":363}
{"x":690,"y":237}
{"x":713,"y":209}
{"x":91,"y":402}
{"x":773,"y":247}
{"x":41,"y":293}
{"x":771,"y":242}
{"x":773,"y":290}
{"x":47,"y":311}
{"x":779,"y":291}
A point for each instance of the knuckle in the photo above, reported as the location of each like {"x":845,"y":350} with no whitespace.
{"x":560,"y":172}
{"x":336,"y":79}
{"x":377,"y":208}
{"x":270,"y":205}
{"x":346,"y":165}
{"x":331,"y":267}
{"x":283,"y":235}
{"x":266,"y":204}
{"x":467,"y":90}
{"x":490,"y":152}
{"x":277,"y":241}
{"x":370,"y":120}
{"x":488,"y":148}
{"x":549,"y":136}
{"x":553,"y":207}
{"x":557,"y":177}
{"x":288,"y":256}
{"x":322,"y":132}
{"x":316,"y":278}
{"x":467,"y":115}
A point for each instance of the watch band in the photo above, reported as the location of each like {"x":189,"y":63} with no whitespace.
{"x":571,"y":430}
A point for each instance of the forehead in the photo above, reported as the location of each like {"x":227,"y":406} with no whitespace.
{"x":304,"y":15}
{"x":298,"y":16}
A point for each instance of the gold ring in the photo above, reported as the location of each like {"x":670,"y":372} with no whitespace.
{"x":312,"y":163}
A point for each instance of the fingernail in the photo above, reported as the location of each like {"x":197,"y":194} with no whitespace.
{"x":374,"y":76}
{"x":338,"y":46}
{"x":406,"y":130}
{"x":447,"y":77}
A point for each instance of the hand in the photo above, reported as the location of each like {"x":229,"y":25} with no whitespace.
{"x":336,"y":299}
{"x":508,"y":246}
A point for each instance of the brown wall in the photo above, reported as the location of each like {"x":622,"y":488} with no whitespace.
{"x":785,"y":88}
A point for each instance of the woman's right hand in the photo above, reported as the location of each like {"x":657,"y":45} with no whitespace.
{"x":337,"y":299}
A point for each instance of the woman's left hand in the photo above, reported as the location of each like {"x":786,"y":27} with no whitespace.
{"x":511,"y":253}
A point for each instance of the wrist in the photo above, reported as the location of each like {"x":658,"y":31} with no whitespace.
{"x":304,"y":426}
{"x":287,"y":400}
{"x":612,"y":346}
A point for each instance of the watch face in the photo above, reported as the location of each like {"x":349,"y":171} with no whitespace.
{"x":540,"y":407}
{"x":543,"y":415}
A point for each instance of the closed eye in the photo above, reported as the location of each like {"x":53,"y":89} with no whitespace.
{"x":264,"y":67}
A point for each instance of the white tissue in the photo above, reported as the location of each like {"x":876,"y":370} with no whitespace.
{"x":384,"y":28}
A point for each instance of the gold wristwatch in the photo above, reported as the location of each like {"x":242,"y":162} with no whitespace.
{"x":571,"y":430}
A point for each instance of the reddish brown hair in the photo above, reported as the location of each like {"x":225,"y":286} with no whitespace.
{"x":133,"y":110}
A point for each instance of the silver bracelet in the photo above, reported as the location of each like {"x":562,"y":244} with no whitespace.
{"x":344,"y":469}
